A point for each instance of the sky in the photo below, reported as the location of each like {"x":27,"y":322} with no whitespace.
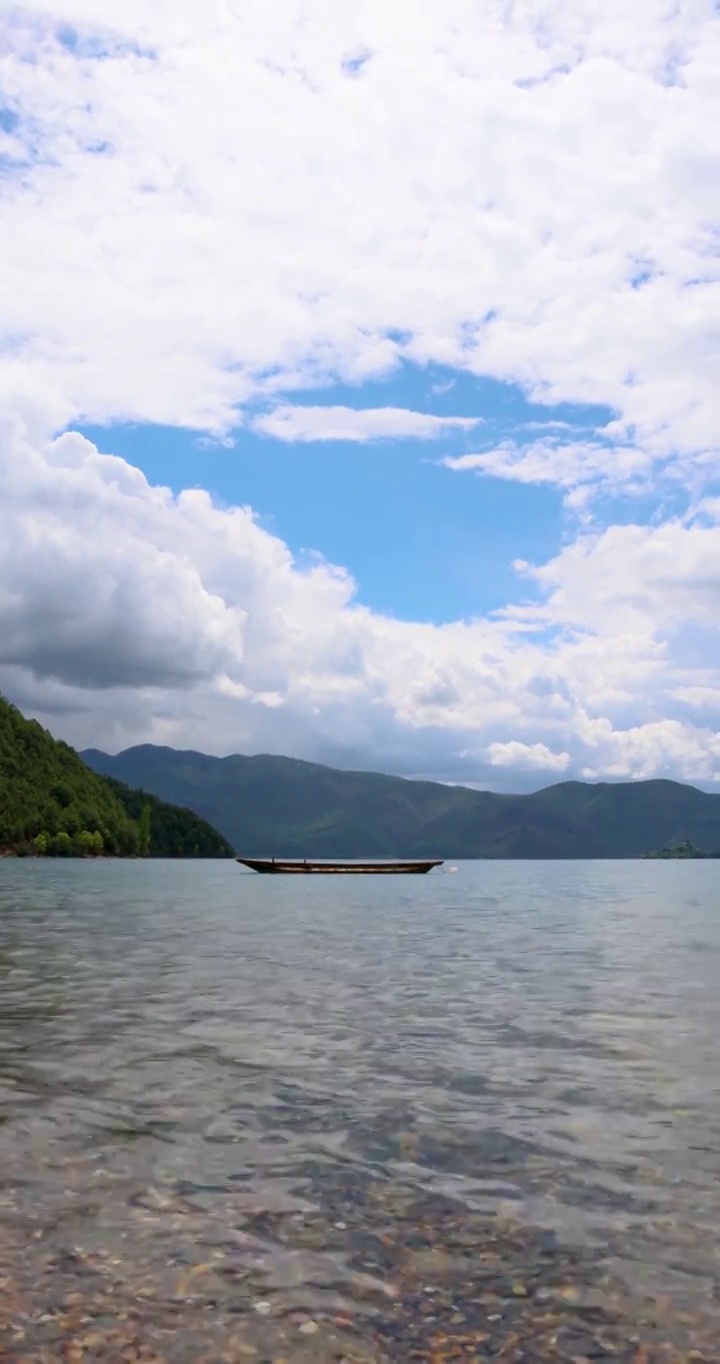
{"x":359,"y":382}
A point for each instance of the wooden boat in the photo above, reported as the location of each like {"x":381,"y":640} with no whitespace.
{"x":304,"y":866}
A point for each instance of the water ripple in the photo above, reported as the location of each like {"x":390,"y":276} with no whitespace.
{"x":374,"y":1109}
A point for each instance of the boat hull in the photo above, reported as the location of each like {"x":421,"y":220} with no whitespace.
{"x":295,"y":866}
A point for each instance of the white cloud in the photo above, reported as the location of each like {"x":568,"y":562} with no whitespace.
{"x":530,"y":757}
{"x":210,"y":201}
{"x":638,"y":578}
{"x":652,"y":749}
{"x":130,"y":614}
{"x":208,"y":205}
{"x":290,"y":423}
{"x":702,"y":697}
{"x":571,"y":465}
{"x":707,"y":509}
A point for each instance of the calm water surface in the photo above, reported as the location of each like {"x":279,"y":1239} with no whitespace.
{"x":470,"y":1116}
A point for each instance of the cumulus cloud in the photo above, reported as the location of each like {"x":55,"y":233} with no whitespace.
{"x":129,"y":613}
{"x":208,"y":209}
{"x":533,"y":757}
{"x":231,"y":205}
{"x":571,"y":465}
{"x":639,"y":578}
{"x":290,"y":423}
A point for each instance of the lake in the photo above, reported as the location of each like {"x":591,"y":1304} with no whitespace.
{"x":465,"y":1116}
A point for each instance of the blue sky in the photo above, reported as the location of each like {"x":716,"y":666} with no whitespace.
{"x":358,"y":384}
{"x":422,"y":542}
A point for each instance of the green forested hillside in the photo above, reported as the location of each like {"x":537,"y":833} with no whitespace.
{"x":174,"y":832}
{"x":52,"y":804}
{"x":273,"y":806}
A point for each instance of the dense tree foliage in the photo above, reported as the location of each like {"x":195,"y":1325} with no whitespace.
{"x":51,"y":804}
{"x":166,"y":830}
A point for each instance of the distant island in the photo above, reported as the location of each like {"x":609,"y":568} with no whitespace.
{"x":53,"y":805}
{"x":268,"y":806}
{"x":682,"y":850}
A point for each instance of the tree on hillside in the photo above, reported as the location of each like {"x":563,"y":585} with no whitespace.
{"x":52,"y":804}
{"x":144,"y":830}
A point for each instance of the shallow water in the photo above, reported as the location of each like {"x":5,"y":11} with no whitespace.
{"x":364,"y":1119}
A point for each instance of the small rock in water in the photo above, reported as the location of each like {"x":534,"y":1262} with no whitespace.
{"x":309,"y":1328}
{"x":264,"y":1308}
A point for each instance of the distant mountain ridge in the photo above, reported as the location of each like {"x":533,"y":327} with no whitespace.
{"x":275,"y":806}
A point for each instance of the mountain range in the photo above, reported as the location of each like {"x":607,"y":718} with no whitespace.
{"x":275,"y":806}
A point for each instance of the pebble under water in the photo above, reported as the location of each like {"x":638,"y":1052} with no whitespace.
{"x":471,"y":1117}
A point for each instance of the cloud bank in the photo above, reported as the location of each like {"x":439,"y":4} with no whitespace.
{"x":206,"y":209}
{"x":137,"y":614}
{"x":227,"y":205}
